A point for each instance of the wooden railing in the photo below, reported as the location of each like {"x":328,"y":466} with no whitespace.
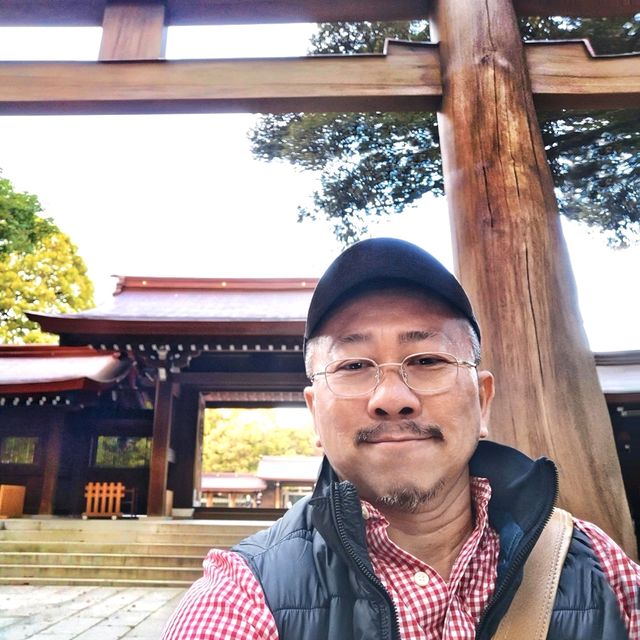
{"x":103,"y":499}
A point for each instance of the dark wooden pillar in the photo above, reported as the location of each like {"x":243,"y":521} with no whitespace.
{"x":197,"y":452}
{"x":52,"y":463}
{"x":512,"y":258}
{"x":186,"y":436}
{"x":133,"y":31}
{"x":160,"y":450}
{"x":80,"y":459}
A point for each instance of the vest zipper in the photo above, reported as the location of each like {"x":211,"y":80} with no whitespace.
{"x":336,"y":500}
{"x":518,"y":561}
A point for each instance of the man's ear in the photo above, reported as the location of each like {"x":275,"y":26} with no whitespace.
{"x":309,"y":398}
{"x":486,"y":391}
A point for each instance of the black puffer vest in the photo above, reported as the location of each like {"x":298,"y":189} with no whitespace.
{"x":320,"y":585}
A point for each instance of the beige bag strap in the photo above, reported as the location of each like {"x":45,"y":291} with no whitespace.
{"x":529,"y":614}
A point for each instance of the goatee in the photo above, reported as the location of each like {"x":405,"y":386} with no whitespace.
{"x":408,"y":499}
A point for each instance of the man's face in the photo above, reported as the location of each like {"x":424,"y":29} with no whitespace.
{"x":422,"y":443}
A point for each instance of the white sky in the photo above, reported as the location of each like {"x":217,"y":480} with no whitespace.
{"x":181,"y":195}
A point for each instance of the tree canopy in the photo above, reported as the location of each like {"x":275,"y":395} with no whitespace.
{"x":40,"y":269}
{"x":20,"y":226}
{"x":236,"y":439}
{"x":373,"y":164}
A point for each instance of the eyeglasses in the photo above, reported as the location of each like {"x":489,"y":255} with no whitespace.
{"x":427,"y":373}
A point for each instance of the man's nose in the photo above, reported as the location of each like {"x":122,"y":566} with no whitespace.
{"x":392,"y":397}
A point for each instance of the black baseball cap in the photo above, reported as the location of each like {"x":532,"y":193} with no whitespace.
{"x":376,"y":262}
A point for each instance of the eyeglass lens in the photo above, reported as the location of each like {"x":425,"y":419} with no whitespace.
{"x":424,"y":372}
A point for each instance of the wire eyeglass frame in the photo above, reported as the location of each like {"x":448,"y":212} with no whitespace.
{"x":366,"y":365}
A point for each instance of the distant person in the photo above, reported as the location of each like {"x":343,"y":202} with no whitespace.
{"x":418,"y":527}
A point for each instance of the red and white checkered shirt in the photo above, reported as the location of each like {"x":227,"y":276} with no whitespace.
{"x":227,"y":603}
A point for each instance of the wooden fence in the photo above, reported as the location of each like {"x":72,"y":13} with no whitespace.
{"x":103,"y":499}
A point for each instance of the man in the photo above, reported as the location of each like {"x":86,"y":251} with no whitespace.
{"x":417,"y":527}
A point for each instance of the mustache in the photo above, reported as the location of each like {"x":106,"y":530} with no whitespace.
{"x":405,"y":426}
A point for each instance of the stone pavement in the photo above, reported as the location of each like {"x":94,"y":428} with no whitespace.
{"x":85,"y":613}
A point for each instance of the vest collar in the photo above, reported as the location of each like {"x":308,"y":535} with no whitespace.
{"x":523,"y":491}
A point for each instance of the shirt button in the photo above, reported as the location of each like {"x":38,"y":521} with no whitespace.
{"x":365,"y":512}
{"x":421,"y":578}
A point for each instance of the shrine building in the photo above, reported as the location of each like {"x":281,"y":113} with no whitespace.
{"x":122,"y":398}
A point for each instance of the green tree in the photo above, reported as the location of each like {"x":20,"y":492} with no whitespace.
{"x":373,"y":164}
{"x":20,"y":226}
{"x":40,"y":269}
{"x":123,"y":451}
{"x":236,"y":439}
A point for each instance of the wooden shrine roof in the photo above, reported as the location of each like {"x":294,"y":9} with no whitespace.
{"x":289,"y":468}
{"x":619,"y":373}
{"x":193,"y":306}
{"x":205,"y":307}
{"x":46,"y":369}
{"x":231,"y":483}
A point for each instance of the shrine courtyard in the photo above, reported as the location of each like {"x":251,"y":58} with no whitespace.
{"x":85,"y":613}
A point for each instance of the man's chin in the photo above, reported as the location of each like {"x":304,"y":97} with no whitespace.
{"x":408,"y":498}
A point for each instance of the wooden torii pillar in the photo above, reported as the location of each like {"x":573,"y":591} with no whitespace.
{"x":510,"y":251}
{"x":512,"y":258}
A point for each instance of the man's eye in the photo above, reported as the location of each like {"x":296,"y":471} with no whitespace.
{"x":426,"y":361}
{"x":353,"y":365}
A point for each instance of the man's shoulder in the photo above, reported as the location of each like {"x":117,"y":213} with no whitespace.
{"x":612,"y":558}
{"x":294,"y":524}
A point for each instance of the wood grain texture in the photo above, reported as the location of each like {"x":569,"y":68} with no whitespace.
{"x":407,"y":77}
{"x":181,"y":12}
{"x":570,"y":75}
{"x":512,"y":258}
{"x":577,"y":8}
{"x":186,"y":12}
{"x":52,"y":466}
{"x":159,"y":465}
{"x":133,"y":31}
{"x":562,"y":74}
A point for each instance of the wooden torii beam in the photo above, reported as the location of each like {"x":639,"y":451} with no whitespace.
{"x":181,"y":12}
{"x":510,"y":252}
{"x":405,"y":78}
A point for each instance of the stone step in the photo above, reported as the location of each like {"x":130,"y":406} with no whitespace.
{"x":64,"y":551}
{"x":134,"y":548}
{"x":25,"y":572}
{"x":213,"y":539}
{"x":90,"y":582}
{"x":182,"y":527}
{"x":101,"y":560}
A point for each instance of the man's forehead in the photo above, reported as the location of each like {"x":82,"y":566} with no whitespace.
{"x":334,"y":344}
{"x":402,"y":336}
